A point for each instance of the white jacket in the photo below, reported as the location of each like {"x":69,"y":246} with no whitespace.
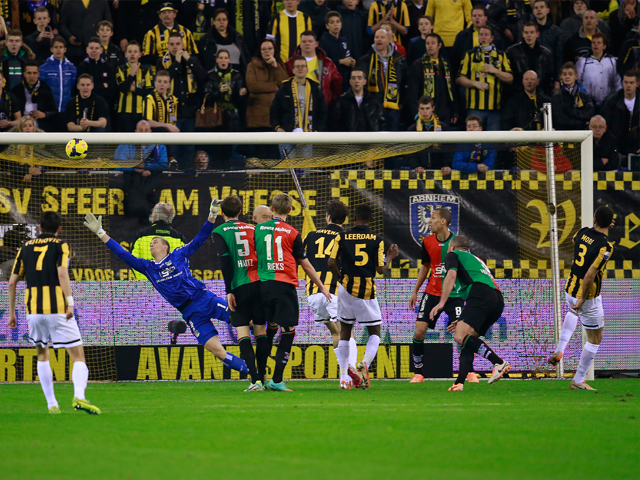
{"x":599,"y":77}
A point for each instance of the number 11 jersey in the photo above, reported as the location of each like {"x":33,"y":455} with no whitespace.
{"x":278,"y":246}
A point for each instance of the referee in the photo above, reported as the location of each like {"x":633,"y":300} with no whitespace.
{"x":45,"y":263}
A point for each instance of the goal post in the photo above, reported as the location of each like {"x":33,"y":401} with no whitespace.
{"x":349,"y":151}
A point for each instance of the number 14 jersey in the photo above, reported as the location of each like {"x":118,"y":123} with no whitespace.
{"x":319,"y":245}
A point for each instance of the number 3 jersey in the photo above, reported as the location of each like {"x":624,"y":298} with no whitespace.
{"x":38,"y":261}
{"x":319,"y":245}
{"x":360,"y":252}
{"x":235,"y":244}
{"x":591,"y":247}
{"x":279,"y":247}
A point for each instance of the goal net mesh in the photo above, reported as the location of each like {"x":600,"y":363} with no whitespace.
{"x":128,"y":320}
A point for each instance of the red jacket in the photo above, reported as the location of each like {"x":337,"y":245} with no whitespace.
{"x":330,"y":80}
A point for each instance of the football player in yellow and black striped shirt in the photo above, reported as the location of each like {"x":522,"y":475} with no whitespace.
{"x":134,"y":82}
{"x":483,"y":72}
{"x":361,"y":254}
{"x":287,"y":27}
{"x":319,"y":245}
{"x":44,"y":261}
{"x":592,"y":251}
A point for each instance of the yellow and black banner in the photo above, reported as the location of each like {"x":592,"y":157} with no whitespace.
{"x":193,"y":362}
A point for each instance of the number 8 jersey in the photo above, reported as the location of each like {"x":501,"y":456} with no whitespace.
{"x":278,"y":246}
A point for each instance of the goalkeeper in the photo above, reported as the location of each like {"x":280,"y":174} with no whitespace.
{"x":169,"y":273}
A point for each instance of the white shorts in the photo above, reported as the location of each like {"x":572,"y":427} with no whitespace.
{"x":323,"y":311}
{"x":352,"y":309}
{"x":591,"y":314}
{"x":64,"y":334}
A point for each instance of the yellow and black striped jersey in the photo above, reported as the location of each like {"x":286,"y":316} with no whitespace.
{"x":38,"y":260}
{"x":160,"y":109}
{"x":591,"y":248}
{"x":472,"y":67}
{"x":360,"y":252}
{"x":319,"y":245}
{"x":133,"y":102}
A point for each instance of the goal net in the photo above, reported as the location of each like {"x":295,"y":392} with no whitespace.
{"x":505,"y":212}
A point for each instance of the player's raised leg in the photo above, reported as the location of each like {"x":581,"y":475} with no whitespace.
{"x":568,"y":327}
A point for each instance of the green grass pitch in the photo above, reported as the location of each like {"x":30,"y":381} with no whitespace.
{"x":511,"y":430}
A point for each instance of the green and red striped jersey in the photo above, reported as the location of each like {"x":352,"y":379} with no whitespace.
{"x":278,"y":246}
{"x":234,"y":242}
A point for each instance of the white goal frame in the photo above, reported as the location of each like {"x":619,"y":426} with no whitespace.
{"x":583,"y":137}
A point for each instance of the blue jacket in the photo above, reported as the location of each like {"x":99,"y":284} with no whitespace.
{"x":60,"y":75}
{"x":464,"y":162}
{"x":155,"y":156}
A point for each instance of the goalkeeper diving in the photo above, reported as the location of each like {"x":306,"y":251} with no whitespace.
{"x":170,"y":275}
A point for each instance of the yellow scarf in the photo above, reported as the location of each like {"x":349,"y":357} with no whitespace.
{"x":304,"y":122}
{"x":422,"y":125}
{"x":170,"y":115}
{"x":390,"y":82}
{"x":430,"y":69}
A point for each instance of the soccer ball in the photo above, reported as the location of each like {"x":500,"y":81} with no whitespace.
{"x":77,"y":149}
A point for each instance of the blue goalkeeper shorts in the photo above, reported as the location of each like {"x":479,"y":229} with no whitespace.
{"x":201,"y":310}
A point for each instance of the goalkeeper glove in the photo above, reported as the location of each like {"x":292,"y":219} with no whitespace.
{"x":214,"y":209}
{"x":94,"y":224}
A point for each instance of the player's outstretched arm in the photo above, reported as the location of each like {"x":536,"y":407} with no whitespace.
{"x":313,"y":275}
{"x":95,"y":225}
{"x":204,"y":233}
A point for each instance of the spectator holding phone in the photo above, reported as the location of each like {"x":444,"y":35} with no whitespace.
{"x":40,"y":40}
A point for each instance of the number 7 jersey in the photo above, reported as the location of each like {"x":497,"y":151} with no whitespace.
{"x":278,"y":246}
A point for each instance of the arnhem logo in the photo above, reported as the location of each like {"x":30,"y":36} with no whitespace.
{"x":420,"y":208}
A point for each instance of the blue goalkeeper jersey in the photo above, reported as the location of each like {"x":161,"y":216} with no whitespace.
{"x":171,"y":275}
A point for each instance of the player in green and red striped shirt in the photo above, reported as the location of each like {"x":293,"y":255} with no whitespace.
{"x":234,"y":242}
{"x":279,"y":248}
{"x":483,"y":307}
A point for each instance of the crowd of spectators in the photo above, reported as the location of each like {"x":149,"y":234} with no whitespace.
{"x":319,"y":65}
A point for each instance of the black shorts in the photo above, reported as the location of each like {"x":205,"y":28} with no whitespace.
{"x":280,"y":303}
{"x":248,"y":306}
{"x":453,"y":309}
{"x":483,"y":308}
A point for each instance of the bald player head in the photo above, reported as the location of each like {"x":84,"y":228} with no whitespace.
{"x":262,"y":214}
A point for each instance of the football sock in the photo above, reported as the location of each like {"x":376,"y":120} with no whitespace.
{"x":46,"y":382}
{"x":478,"y":346}
{"x":235,"y":363}
{"x":372,"y":349}
{"x":588,"y":353}
{"x":80,"y":375}
{"x":263,"y":349}
{"x":418,"y":354}
{"x":271,"y":332}
{"x":568,"y":327}
{"x":353,"y":352}
{"x":466,"y":364}
{"x":282,"y":355}
{"x":249,"y":357}
{"x":342,"y":352}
